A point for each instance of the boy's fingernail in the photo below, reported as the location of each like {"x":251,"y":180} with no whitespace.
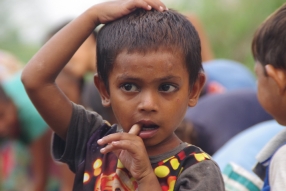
{"x":102,"y":150}
{"x":161,"y":8}
{"x":149,"y":7}
{"x":166,"y":9}
{"x":99,"y":140}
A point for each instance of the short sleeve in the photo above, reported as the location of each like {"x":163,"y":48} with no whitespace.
{"x":277,"y":172}
{"x":32,"y":124}
{"x":82,"y":124}
{"x":203,"y":176}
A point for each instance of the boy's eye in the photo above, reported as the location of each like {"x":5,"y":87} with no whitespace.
{"x":167,"y":88}
{"x":129,"y":87}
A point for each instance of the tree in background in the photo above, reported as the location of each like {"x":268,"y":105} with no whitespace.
{"x":230,"y":24}
{"x":18,"y":19}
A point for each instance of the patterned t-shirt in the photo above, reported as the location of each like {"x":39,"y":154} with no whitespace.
{"x":97,"y":172}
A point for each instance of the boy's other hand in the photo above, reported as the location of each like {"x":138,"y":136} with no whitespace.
{"x":112,"y":10}
{"x":130,"y":150}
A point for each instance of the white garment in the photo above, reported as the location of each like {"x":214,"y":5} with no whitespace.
{"x":277,"y":171}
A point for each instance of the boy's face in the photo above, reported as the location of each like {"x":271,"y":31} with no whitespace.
{"x":9,"y":126}
{"x":269,"y":95}
{"x":152,"y":90}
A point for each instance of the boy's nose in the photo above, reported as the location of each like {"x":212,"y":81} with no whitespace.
{"x":148,"y":102}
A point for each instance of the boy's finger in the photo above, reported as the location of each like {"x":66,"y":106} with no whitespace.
{"x":158,"y":5}
{"x":135,"y":129}
{"x":132,"y":5}
{"x":147,"y":4}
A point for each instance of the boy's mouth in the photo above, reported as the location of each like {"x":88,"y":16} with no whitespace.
{"x":149,"y":127}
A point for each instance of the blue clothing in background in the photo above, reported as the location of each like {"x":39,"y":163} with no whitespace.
{"x":231,"y":75}
{"x":243,"y":148}
{"x":32,"y":124}
{"x":218,"y":117}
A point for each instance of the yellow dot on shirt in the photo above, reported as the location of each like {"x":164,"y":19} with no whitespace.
{"x":97,"y":164}
{"x":206,"y":156}
{"x":119,"y":164}
{"x":164,"y":161}
{"x":200,"y":157}
{"x":175,"y":163}
{"x":86,"y":177}
{"x":162,"y":171}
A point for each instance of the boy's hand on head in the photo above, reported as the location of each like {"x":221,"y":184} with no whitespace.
{"x":112,"y":10}
{"x":130,"y":150}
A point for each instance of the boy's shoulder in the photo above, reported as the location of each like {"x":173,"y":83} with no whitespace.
{"x":189,"y":164}
{"x":186,"y":156}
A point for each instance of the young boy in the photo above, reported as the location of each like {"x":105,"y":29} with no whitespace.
{"x":268,"y":47}
{"x":149,"y":71}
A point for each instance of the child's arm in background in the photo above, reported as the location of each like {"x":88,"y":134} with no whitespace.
{"x":40,"y":155}
{"x":40,"y":73}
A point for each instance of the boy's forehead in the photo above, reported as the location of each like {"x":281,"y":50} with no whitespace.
{"x":161,"y":64}
{"x":176,"y":52}
{"x":173,"y":55}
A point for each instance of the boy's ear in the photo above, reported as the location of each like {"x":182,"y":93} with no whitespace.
{"x":278,"y":75}
{"x":196,"y":89}
{"x":105,"y":98}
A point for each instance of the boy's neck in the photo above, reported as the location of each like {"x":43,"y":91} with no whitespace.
{"x":169,"y":144}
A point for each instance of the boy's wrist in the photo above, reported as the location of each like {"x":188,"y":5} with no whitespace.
{"x":150,"y":182}
{"x":92,"y":14}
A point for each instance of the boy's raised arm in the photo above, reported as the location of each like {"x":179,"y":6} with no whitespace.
{"x":40,"y":73}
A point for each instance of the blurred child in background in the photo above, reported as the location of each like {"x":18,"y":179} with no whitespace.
{"x":268,"y":48}
{"x":24,"y":140}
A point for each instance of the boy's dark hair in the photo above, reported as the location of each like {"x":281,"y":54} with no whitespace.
{"x":269,"y":42}
{"x":144,"y":31}
{"x":3,"y":95}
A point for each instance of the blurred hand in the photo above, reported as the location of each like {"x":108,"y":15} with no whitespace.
{"x":112,"y":10}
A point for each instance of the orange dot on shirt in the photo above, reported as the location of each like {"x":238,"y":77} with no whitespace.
{"x":171,"y":182}
{"x":97,"y":171}
{"x":162,"y":171}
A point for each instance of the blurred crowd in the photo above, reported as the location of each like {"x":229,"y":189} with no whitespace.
{"x":228,"y":122}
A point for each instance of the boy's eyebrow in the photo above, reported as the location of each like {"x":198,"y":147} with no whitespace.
{"x":133,"y":78}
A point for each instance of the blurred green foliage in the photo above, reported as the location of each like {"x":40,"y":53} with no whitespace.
{"x":23,"y":51}
{"x":10,"y":33}
{"x":230,"y":24}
